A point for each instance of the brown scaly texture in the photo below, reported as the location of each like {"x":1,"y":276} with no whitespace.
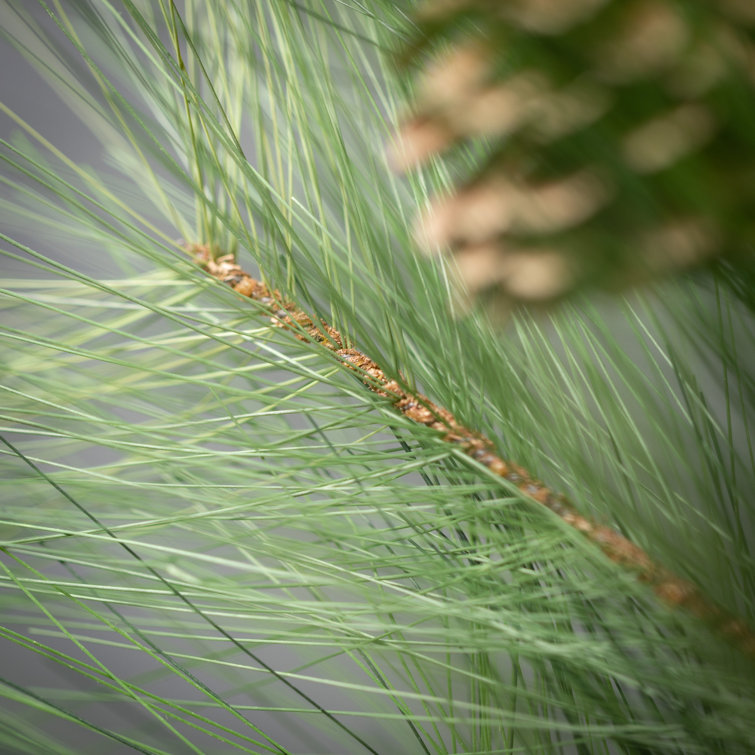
{"x":672,"y":590}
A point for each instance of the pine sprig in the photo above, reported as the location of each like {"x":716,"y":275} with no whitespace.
{"x":252,"y":489}
{"x":668,"y":587}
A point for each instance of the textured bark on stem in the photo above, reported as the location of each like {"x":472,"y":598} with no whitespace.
{"x":672,"y":590}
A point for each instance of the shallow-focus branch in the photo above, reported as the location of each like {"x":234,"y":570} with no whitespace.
{"x":672,"y":590}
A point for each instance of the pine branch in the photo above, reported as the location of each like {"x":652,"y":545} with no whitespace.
{"x":260,"y":483}
{"x":674,"y":591}
{"x":613,"y":139}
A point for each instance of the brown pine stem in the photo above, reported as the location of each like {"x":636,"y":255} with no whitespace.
{"x":672,"y":590}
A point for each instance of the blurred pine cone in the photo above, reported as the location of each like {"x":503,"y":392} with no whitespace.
{"x":620,"y":138}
